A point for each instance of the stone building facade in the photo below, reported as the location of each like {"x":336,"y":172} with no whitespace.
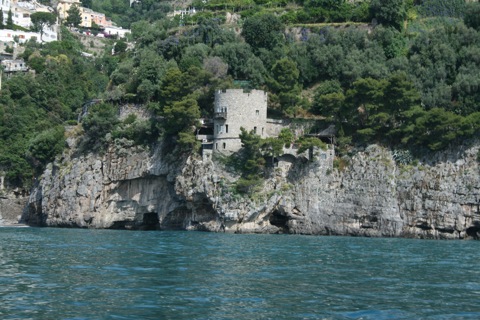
{"x":234,"y":109}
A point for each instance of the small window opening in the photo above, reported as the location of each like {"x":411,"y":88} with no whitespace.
{"x":255,"y":130}
{"x":257,"y":112}
{"x":224,"y":145}
{"x":226,"y":128}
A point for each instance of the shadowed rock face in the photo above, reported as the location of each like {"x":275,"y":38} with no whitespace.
{"x":132,"y":188}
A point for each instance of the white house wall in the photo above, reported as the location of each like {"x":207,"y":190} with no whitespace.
{"x":21,"y":12}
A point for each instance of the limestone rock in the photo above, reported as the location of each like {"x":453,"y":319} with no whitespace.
{"x":135,"y":188}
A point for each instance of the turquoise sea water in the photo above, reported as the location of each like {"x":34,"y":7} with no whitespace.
{"x":103,"y":274}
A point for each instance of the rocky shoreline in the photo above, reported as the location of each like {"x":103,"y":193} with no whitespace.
{"x":130,"y":187}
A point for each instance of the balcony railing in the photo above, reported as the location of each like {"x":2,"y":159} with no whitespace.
{"x":220,"y":115}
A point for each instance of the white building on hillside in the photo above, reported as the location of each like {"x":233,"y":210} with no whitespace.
{"x":21,"y":16}
{"x":121,"y":33}
{"x":22,"y":36}
{"x":13,"y":66}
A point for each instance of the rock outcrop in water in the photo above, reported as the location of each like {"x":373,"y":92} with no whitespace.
{"x":134,"y":188}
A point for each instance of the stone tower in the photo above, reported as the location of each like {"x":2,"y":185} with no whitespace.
{"x":234,"y":109}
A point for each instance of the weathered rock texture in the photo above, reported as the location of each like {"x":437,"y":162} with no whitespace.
{"x":11,"y":206}
{"x":131,"y":187}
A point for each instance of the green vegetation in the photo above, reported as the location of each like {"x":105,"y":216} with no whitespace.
{"x":2,"y":24}
{"x":257,"y":154}
{"x":100,"y":120}
{"x":41,"y":20}
{"x":33,"y":109}
{"x":409,"y":82}
{"x":9,"y":24}
{"x":74,"y":18}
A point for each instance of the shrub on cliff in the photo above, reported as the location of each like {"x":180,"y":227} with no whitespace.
{"x":43,"y":148}
{"x":100,"y":120}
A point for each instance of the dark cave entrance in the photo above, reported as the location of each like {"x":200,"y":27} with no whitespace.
{"x":474,"y":232}
{"x":150,"y":221}
{"x":279,"y":220}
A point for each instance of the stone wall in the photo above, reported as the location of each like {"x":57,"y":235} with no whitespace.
{"x":275,"y":126}
{"x":298,"y":128}
{"x":138,"y":110}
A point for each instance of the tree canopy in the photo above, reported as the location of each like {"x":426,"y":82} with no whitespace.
{"x":40,"y":20}
{"x":74,"y":17}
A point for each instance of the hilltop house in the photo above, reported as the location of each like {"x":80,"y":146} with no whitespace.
{"x":88,"y":16}
{"x":14,"y":66}
{"x":64,"y":5}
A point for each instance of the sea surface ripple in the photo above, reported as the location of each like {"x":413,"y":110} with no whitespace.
{"x":48,"y":273}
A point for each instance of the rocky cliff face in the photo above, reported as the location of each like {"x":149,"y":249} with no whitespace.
{"x":134,"y":188}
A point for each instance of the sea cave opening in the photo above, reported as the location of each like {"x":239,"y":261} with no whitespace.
{"x":279,"y":220}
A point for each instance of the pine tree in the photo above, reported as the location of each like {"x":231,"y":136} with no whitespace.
{"x":10,"y":20}
{"x":2,"y":25}
{"x":74,"y":17}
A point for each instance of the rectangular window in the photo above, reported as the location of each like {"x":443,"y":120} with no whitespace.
{"x":216,"y":146}
{"x":257,"y":112}
{"x":224,"y":145}
{"x":226,"y":128}
{"x":255,"y":130}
